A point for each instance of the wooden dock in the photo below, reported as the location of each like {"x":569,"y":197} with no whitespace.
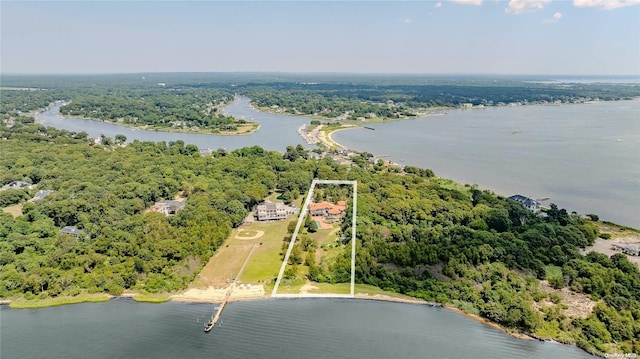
{"x":232,"y":287}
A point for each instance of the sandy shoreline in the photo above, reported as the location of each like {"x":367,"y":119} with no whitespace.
{"x":218,"y":295}
{"x":329,"y":137}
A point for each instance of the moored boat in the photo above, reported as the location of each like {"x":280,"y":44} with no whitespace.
{"x":209,"y":326}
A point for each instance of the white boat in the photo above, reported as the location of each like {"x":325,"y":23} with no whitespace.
{"x":209,"y":326}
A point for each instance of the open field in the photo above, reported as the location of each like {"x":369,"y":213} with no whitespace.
{"x":263,"y":264}
{"x":15,"y":210}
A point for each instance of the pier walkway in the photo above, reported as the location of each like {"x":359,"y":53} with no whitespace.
{"x":218,"y":312}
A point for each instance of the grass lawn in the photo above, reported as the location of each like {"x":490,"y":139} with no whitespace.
{"x":264,"y":264}
{"x":450,"y":184}
{"x":552,"y":272}
{"x":291,"y":286}
{"x":152,"y":298}
{"x":245,"y":233}
{"x":15,"y":210}
{"x":56,"y":301}
{"x":294,"y":287}
{"x":337,"y":288}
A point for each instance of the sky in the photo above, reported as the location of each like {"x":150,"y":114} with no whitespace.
{"x":538,"y":37}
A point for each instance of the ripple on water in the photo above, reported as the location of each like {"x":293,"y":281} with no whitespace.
{"x":270,"y":329}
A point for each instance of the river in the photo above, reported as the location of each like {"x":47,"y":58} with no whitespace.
{"x":276,"y":131}
{"x":272,"y":328}
{"x":584,"y":157}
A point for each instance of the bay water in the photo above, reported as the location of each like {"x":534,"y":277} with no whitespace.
{"x":583,"y":157}
{"x":269,"y":329}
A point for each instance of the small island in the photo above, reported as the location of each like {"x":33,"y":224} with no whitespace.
{"x":160,"y":108}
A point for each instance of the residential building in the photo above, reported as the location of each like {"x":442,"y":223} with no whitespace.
{"x":40,"y":195}
{"x":274,"y":211}
{"x":205,"y":152}
{"x":529,"y":203}
{"x":327,"y":209}
{"x":168,"y":207}
{"x":16,"y":185}
{"x":70,"y":230}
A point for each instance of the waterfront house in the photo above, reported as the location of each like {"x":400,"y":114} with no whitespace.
{"x":529,"y":203}
{"x":205,"y":152}
{"x":274,"y":211}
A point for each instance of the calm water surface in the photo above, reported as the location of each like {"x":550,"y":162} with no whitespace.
{"x":276,"y":131}
{"x":585,"y":157}
{"x":282,"y":328}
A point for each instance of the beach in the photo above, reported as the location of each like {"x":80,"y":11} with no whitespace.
{"x":217,"y":295}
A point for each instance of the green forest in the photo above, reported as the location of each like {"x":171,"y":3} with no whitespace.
{"x":192,"y":101}
{"x":157,"y":108}
{"x":418,"y":234}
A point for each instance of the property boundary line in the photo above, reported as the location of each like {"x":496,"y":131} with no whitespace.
{"x":303,"y":213}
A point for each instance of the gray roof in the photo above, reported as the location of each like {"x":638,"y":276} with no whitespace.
{"x":527,"y":201}
{"x":176,"y":204}
{"x":41,"y":194}
{"x":16,"y":184}
{"x":70,"y":230}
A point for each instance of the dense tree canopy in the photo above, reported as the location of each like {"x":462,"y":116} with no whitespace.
{"x":417,"y":234}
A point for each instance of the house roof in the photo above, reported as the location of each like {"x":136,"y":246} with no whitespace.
{"x":177,"y":204}
{"x":270,"y":206}
{"x":41,"y":194}
{"x":15,"y":184}
{"x":524,"y":200}
{"x":330,"y":207}
{"x":320,"y":206}
{"x":70,"y":230}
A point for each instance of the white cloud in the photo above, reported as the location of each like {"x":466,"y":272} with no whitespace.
{"x":438,"y":5}
{"x":516,"y":7}
{"x":555,"y":18}
{"x":406,"y":21}
{"x":605,"y":4}
{"x":468,"y":2}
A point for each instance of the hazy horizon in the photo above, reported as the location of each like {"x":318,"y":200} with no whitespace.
{"x":455,"y":37}
{"x":321,"y":73}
